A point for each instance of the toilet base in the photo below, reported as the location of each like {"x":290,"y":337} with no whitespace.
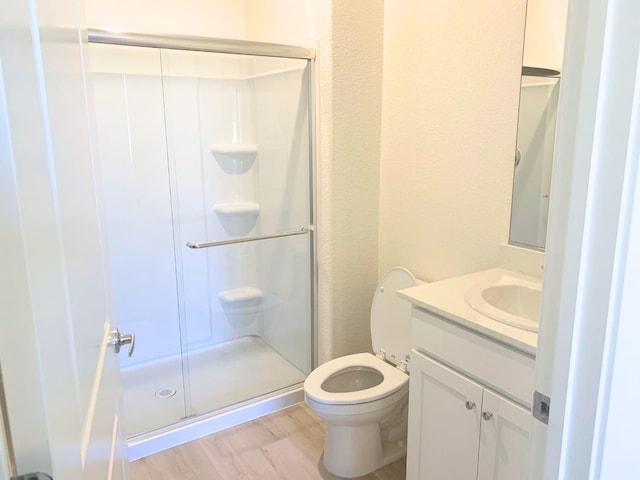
{"x":353,"y":451}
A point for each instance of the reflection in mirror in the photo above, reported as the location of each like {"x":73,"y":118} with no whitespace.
{"x":533,"y":160}
{"x":542,"y":59}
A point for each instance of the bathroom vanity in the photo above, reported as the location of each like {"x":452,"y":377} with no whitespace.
{"x":471,"y":383}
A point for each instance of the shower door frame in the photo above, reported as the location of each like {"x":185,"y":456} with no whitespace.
{"x":195,"y":427}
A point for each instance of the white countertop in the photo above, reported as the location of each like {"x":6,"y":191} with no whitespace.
{"x":446,"y":299}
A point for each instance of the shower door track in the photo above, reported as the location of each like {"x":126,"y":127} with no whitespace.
{"x":198,"y":44}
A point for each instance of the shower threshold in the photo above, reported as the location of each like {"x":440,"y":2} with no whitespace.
{"x":220,"y":376}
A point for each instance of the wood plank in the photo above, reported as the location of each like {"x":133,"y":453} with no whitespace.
{"x":286,"y":445}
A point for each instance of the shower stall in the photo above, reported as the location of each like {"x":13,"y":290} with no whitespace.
{"x":206,"y":168}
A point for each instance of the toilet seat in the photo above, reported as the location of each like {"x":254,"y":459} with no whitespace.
{"x":393,"y":381}
{"x":391,"y":317}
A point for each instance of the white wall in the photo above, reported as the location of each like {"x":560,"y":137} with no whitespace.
{"x":545,"y":32}
{"x":449,"y":116}
{"x":213,"y":18}
{"x":294,"y":22}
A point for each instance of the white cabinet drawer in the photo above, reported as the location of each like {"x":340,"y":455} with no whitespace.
{"x":496,"y":365}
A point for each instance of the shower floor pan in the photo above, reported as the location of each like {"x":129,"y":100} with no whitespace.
{"x":220,"y":376}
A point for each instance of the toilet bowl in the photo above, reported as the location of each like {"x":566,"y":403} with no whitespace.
{"x":363,"y":397}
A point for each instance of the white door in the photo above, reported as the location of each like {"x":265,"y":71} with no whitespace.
{"x":587,"y":346}
{"x":443,"y":434}
{"x":62,"y":379}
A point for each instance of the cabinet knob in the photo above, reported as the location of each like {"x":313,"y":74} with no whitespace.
{"x":487,"y":415}
{"x":469,"y":404}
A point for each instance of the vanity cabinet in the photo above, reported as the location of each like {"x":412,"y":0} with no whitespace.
{"x":459,"y":429}
{"x":470,"y":396}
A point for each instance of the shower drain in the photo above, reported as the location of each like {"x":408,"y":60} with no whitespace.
{"x":165,"y":393}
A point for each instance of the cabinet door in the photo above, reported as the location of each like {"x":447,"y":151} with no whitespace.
{"x":504,"y":440}
{"x":444,"y":425}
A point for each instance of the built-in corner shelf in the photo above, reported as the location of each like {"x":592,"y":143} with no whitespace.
{"x":240,"y":296}
{"x":235,"y":158}
{"x":237,"y":218}
{"x":234,"y":148}
{"x":241,"y":305}
{"x":237,"y":208}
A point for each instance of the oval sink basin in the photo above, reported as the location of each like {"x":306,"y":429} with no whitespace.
{"x":510,"y":300}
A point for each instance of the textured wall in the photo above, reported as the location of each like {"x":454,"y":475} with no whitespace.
{"x":449,"y":116}
{"x":350,"y":178}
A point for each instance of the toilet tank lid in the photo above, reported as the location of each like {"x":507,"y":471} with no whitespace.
{"x":391,"y":315}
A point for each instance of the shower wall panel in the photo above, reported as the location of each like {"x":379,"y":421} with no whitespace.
{"x":266,"y":106}
{"x":163,"y":191}
{"x":127,"y":90}
{"x":204,"y":111}
{"x":282,"y":126}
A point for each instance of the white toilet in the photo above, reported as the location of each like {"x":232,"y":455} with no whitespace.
{"x":363,"y":397}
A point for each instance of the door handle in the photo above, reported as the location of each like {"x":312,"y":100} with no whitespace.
{"x":117,"y":340}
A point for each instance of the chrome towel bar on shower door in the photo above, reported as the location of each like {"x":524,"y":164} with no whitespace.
{"x":302,"y":231}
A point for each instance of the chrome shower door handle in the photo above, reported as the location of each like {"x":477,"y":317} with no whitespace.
{"x":117,"y":340}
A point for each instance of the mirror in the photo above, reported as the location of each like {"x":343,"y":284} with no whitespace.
{"x":533,"y":159}
{"x":539,"y":88}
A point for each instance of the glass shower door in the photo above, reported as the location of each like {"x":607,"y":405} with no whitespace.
{"x":129,"y":108}
{"x":239,"y":167}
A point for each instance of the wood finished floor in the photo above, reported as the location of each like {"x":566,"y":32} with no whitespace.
{"x":284,"y":445}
